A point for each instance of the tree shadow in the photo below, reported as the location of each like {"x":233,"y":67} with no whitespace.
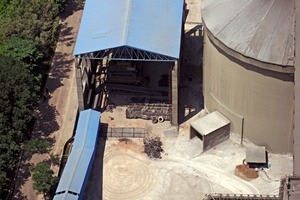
{"x":65,"y":35}
{"x":71,"y":6}
{"x":191,"y":98}
{"x":23,"y":175}
{"x":45,"y":123}
{"x":61,"y":68}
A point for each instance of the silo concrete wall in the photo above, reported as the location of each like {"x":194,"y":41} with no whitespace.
{"x":258,"y":102}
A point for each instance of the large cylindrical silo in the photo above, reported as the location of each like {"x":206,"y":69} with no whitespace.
{"x":248,"y":68}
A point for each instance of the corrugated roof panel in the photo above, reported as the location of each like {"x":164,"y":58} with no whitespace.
{"x":69,"y":170}
{"x":102,"y":26}
{"x":77,"y":165}
{"x":275,"y":30}
{"x":80,"y":175}
{"x":262,"y":30}
{"x":87,"y":127}
{"x":65,"y":196}
{"x":153,"y":26}
{"x":218,"y":7}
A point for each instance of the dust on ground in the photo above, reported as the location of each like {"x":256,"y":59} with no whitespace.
{"x":183,"y":172}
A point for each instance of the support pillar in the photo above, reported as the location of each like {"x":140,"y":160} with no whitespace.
{"x":175,"y":79}
{"x":79,"y":85}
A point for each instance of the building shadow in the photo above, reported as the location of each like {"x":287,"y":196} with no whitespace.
{"x":191,"y":99}
{"x":94,"y":189}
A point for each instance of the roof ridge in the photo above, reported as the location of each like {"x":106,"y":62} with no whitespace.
{"x":128,"y":19}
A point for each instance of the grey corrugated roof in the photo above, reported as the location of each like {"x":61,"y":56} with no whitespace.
{"x":262,"y":30}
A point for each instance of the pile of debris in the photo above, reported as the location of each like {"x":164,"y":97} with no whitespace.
{"x":153,"y":147}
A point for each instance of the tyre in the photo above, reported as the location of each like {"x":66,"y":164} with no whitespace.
{"x":154,"y":120}
{"x":160,"y":119}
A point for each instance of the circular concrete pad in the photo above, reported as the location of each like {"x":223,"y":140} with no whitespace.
{"x":126,"y":176}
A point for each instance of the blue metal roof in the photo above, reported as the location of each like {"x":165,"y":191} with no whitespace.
{"x":75,"y":172}
{"x":149,"y":25}
{"x":65,"y":196}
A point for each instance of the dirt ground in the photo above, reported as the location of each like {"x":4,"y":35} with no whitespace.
{"x":184,"y":172}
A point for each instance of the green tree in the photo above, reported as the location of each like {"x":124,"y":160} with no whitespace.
{"x":8,"y":157}
{"x":37,"y":145}
{"x":18,"y":96}
{"x":28,"y":34}
{"x":34,"y":20}
{"x":43,"y":179}
{"x":22,"y":50}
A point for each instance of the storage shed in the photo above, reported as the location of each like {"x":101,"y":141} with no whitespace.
{"x":211,"y":129}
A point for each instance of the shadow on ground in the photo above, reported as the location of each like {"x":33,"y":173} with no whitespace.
{"x":190,"y":90}
{"x":94,"y":188}
{"x":46,"y":123}
{"x":71,"y":6}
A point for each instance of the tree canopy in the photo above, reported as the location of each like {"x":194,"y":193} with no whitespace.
{"x":43,"y":179}
{"x":28,"y":34}
{"x":23,"y":50}
{"x":17,"y":99}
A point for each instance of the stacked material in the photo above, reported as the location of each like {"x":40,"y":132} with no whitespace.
{"x":149,"y":111}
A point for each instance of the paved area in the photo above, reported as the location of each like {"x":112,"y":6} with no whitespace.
{"x":55,"y":116}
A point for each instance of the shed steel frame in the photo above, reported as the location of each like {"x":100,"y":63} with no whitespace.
{"x":127,"y":53}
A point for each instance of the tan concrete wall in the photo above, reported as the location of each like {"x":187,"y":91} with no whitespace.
{"x":175,"y":78}
{"x":258,"y":102}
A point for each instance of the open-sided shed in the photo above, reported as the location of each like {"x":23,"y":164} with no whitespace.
{"x":128,"y":30}
{"x":131,"y":30}
{"x":212,"y":129}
